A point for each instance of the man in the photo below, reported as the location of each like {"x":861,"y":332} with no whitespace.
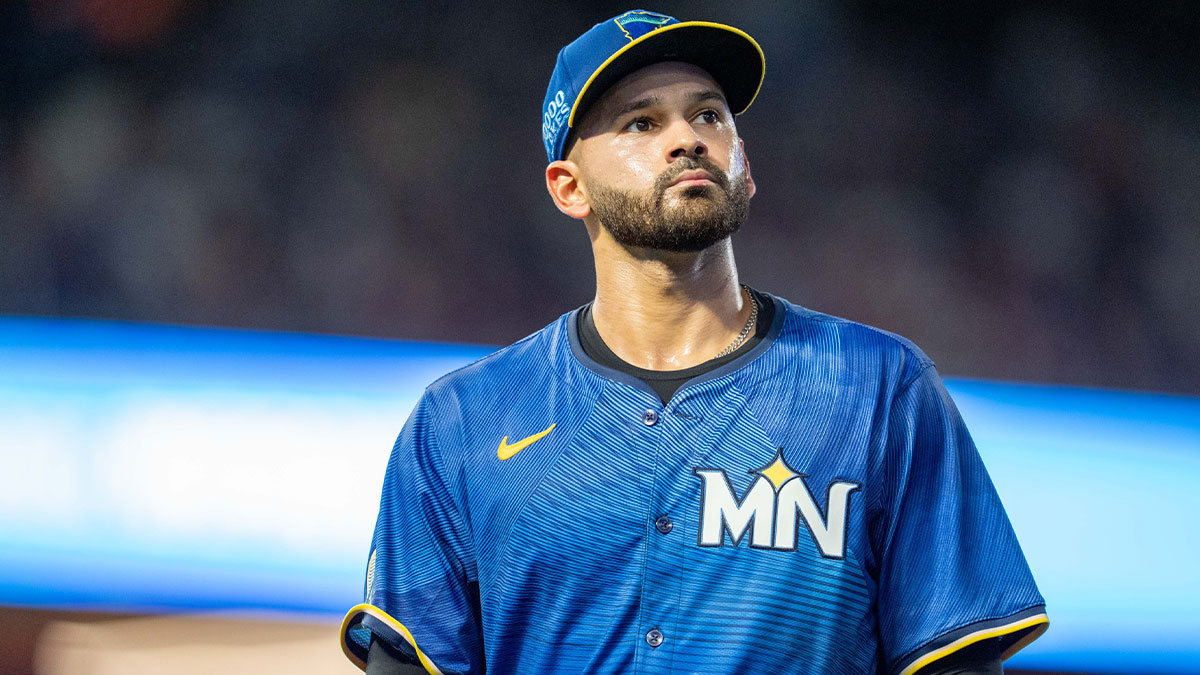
{"x":686,"y":475}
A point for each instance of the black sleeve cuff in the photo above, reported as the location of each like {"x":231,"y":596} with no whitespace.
{"x":383,"y":660}
{"x":366,"y":625}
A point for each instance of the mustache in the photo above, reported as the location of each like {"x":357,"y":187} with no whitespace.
{"x":685,"y":164}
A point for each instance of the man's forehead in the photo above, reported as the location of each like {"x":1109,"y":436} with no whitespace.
{"x":655,"y":84}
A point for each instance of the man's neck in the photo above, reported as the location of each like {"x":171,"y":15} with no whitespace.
{"x":667,"y":311}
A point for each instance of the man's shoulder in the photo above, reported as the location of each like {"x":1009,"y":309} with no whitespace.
{"x":533,"y":357}
{"x":517,"y":390}
{"x":851,"y":341}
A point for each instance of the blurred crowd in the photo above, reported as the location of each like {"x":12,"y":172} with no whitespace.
{"x":1017,"y":189}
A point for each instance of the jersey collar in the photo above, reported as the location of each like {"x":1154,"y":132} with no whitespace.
{"x":572,"y":319}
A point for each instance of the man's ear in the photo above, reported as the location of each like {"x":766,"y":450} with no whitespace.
{"x":746,"y":164}
{"x":563,"y":184}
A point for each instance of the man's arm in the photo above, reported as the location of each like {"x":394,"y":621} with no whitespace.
{"x":420,"y":595}
{"x":951,"y":571}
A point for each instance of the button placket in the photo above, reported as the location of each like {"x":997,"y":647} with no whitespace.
{"x":663,"y":576}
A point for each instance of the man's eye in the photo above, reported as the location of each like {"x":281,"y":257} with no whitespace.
{"x":710,"y":116}
{"x":639,"y":125}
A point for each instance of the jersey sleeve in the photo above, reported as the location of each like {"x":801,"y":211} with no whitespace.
{"x":951,"y":573}
{"x":421,"y":592}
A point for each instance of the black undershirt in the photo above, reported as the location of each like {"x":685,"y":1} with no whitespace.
{"x":666,"y":382}
{"x":978,"y":659}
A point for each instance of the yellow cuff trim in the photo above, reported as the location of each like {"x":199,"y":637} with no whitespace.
{"x":972,"y":638}
{"x":386,"y":618}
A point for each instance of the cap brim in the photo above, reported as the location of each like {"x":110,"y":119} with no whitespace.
{"x":732,"y":57}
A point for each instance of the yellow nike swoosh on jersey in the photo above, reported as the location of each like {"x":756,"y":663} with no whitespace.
{"x":507,"y":450}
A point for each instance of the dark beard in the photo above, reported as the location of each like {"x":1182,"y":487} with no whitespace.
{"x":704,"y":215}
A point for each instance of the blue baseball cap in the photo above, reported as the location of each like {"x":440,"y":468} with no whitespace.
{"x":612,"y":49}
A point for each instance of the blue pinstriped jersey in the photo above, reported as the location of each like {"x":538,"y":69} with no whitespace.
{"x":814,"y":506}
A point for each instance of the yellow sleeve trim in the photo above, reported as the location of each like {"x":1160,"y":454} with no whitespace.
{"x":386,"y":618}
{"x":972,"y":638}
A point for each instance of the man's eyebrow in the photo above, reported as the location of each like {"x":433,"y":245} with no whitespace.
{"x":642,"y":103}
{"x":707,"y":95}
{"x":635,"y":105}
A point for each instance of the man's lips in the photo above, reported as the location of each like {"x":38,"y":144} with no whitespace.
{"x":693,"y":178}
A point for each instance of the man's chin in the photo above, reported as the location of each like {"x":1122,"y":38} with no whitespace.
{"x":681,"y":219}
{"x":689,"y":238}
{"x":696,"y":213}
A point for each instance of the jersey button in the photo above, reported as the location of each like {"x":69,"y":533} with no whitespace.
{"x":654,"y":637}
{"x":650,"y":417}
{"x":664,"y":524}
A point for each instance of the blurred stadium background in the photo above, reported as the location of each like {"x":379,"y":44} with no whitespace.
{"x":1014,"y":186}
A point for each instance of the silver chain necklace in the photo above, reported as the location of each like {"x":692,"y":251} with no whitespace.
{"x":737,"y":342}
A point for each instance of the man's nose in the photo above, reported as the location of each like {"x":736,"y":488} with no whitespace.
{"x":685,"y":141}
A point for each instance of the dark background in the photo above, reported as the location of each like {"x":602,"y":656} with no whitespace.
{"x":1015,"y":187}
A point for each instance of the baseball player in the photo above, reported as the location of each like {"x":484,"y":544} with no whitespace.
{"x":686,"y":475}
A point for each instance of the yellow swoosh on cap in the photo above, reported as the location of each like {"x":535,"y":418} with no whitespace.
{"x":505,"y":451}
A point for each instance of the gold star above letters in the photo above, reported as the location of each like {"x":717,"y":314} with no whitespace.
{"x":778,"y":472}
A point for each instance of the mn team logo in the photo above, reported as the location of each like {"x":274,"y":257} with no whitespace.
{"x":769,"y":508}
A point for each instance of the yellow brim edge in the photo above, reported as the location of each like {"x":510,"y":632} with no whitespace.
{"x":660,"y":31}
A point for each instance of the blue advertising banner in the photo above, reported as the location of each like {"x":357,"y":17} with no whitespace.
{"x":166,"y":469}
